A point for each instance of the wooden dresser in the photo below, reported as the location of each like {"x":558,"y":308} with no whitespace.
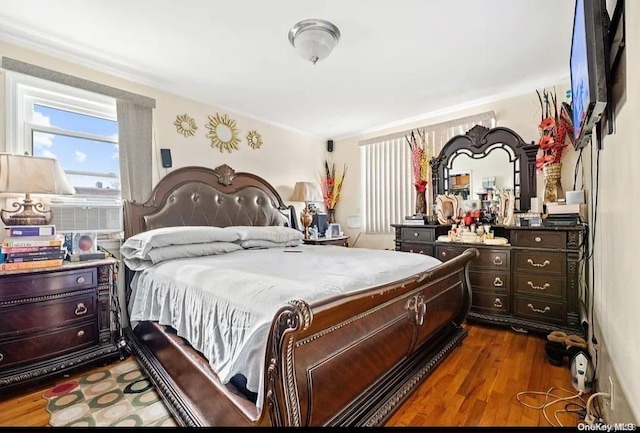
{"x":53,"y":320}
{"x":530,"y":284}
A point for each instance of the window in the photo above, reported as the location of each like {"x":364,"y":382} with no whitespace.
{"x":77,"y":127}
{"x":388,"y":193}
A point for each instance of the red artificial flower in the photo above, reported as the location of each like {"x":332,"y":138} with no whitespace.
{"x":547,"y":124}
{"x":546,"y":142}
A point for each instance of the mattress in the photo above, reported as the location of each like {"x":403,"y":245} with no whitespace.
{"x":223,"y":305}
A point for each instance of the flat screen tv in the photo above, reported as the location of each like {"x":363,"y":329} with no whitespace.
{"x":589,"y":68}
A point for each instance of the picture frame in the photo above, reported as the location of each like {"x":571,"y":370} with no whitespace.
{"x":334,"y":231}
{"x":448,"y":207}
{"x":506,"y":215}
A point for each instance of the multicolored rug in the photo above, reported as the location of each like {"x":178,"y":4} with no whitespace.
{"x":118,"y":396}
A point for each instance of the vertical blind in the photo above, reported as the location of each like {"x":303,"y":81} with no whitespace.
{"x":387,"y":183}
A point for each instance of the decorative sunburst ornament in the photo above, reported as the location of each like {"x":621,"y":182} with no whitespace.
{"x":254,"y":139}
{"x":185,"y":125}
{"x":223,"y":133}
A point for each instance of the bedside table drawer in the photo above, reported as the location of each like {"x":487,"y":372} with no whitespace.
{"x":46,"y":315}
{"x":48,"y":344}
{"x":32,"y":285}
{"x":417,"y":234}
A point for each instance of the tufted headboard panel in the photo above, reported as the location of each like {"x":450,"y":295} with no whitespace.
{"x":193,"y":196}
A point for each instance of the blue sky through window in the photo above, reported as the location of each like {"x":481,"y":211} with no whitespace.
{"x":74,"y":153}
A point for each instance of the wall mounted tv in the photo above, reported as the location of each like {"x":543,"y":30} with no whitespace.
{"x":589,"y":68}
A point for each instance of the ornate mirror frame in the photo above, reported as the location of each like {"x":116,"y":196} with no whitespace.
{"x":477,"y":143}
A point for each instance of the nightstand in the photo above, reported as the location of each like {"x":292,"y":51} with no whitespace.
{"x":341,"y":241}
{"x":55,"y":319}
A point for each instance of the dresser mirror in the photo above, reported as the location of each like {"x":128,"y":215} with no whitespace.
{"x":488,"y":159}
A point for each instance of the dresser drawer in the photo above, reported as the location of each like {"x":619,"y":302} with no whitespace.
{"x":490,"y":302}
{"x":46,"y":315}
{"x":418,"y":234}
{"x":542,"y":310}
{"x":498,"y":281}
{"x":538,"y":239}
{"x":542,"y":262}
{"x":41,"y":284}
{"x":492,"y":260}
{"x":47,"y":344}
{"x":540,"y":285}
{"x":417,"y":248}
{"x":445,"y":253}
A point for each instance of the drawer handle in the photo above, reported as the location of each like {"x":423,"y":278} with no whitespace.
{"x":537,"y":310}
{"x":497,"y":261}
{"x":497,"y":303}
{"x":421,"y":252}
{"x":80,"y":309}
{"x":80,"y":280}
{"x":444,"y":254}
{"x":80,"y":333}
{"x":537,"y":239}
{"x":1,"y":357}
{"x":498,"y":282}
{"x":545,"y":287}
{"x":416,"y":234}
{"x":538,"y":265}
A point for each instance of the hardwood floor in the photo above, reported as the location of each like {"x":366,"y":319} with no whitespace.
{"x":475,"y":386}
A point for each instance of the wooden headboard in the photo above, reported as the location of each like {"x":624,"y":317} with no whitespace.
{"x":198,"y":196}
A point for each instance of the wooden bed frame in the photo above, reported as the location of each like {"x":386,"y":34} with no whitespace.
{"x":344,"y":360}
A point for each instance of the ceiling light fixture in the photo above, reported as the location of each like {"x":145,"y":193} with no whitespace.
{"x":314,"y":39}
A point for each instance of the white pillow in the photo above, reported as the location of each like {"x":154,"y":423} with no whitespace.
{"x":138,"y":246}
{"x":266,"y":233}
{"x":259,"y":243}
{"x":171,"y":252}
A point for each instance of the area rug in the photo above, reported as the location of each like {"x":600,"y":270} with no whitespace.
{"x":118,"y":396}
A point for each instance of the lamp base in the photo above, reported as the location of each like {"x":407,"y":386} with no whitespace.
{"x":33,"y":214}
{"x":306,"y":219}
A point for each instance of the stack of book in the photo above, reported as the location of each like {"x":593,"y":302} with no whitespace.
{"x":414,"y":220}
{"x":31,"y":247}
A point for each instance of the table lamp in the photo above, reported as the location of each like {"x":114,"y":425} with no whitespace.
{"x":31,"y":175}
{"x":307,"y":192}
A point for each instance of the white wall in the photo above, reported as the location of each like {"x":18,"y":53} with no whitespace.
{"x":617,"y":296}
{"x":286,"y":156}
{"x":520,"y":113}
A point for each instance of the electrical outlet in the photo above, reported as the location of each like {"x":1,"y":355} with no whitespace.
{"x":611,"y":394}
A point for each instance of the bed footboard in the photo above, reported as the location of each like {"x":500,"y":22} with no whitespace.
{"x":352,"y":360}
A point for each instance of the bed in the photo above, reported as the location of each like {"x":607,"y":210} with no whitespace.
{"x":349,"y":357}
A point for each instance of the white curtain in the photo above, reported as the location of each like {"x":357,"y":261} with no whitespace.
{"x":387,"y":183}
{"x":135,"y":138}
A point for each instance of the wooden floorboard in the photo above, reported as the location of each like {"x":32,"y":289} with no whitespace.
{"x":475,"y":386}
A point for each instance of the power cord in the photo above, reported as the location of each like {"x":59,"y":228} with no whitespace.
{"x":546,"y":404}
{"x":589,"y":418}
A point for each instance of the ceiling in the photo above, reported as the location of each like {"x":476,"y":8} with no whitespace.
{"x":396,"y":60}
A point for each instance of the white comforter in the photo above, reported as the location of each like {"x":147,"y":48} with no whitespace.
{"x":223,"y":305}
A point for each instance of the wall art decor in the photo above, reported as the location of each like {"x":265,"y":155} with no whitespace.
{"x":223,"y":132}
{"x":185,"y":125}
{"x":254,"y":139}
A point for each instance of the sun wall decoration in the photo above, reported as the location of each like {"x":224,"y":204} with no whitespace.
{"x":223,"y":132}
{"x":185,"y":125}
{"x":254,"y":139}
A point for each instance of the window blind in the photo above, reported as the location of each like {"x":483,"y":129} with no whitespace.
{"x":387,"y":183}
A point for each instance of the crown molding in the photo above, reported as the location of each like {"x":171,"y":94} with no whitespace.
{"x":519,"y":90}
{"x":84,"y":57}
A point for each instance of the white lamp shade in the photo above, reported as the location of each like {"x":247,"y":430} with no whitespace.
{"x":33,"y":175}
{"x":307,"y":192}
